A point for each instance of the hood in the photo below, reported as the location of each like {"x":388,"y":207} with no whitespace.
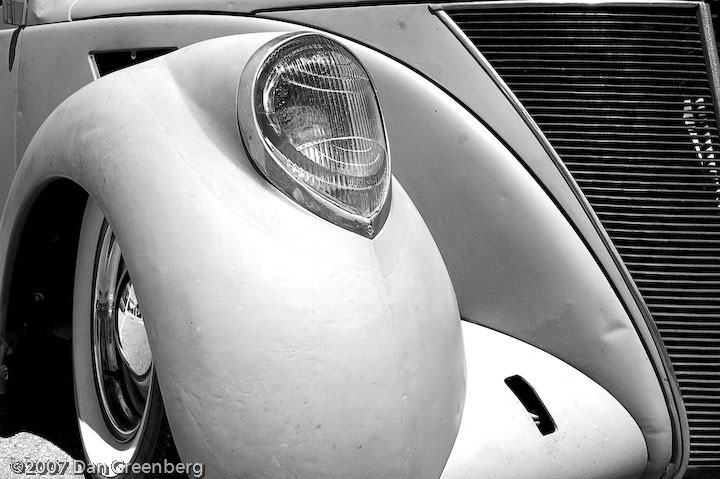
{"x":54,"y":11}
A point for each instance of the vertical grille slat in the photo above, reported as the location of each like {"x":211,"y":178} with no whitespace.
{"x":623,"y":94}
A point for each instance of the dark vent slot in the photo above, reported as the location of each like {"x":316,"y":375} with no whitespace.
{"x":108,"y":62}
{"x":532,"y":403}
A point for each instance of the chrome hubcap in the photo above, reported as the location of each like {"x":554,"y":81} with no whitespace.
{"x":121,"y":351}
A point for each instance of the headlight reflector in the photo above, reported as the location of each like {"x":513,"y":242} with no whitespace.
{"x":317,"y":117}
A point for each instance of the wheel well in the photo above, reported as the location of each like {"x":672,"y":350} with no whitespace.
{"x":40,"y":300}
{"x":39,"y":321}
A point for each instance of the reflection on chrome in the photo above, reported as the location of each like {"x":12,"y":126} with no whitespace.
{"x":134,"y":345}
{"x":699,"y":122}
{"x":121,"y":351}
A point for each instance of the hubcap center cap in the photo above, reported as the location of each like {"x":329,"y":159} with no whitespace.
{"x":134,"y":344}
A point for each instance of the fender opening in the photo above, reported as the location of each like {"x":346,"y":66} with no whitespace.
{"x":39,"y":396}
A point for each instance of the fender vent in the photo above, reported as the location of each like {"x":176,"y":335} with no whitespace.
{"x":532,"y":403}
{"x":625,"y":96}
{"x":108,"y":62}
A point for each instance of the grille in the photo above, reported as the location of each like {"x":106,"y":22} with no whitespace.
{"x":623,"y":95}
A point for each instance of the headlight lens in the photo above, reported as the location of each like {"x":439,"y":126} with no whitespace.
{"x":317,"y":132}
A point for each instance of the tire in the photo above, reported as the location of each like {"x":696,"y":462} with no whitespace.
{"x":118,"y":403}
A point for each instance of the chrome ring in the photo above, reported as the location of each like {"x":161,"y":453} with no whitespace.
{"x":122,"y":358}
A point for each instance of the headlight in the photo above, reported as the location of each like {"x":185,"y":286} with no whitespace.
{"x":311,"y":121}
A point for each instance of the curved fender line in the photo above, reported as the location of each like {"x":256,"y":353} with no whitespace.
{"x":284,"y":346}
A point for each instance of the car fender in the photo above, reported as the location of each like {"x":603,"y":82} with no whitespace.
{"x":518,"y":265}
{"x":284,"y":345}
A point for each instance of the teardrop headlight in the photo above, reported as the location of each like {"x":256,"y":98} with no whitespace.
{"x":311,"y":120}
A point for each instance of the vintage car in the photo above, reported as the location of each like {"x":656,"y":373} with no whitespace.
{"x":370,"y":239}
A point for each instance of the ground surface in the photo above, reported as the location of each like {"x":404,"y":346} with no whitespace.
{"x":37,"y":421}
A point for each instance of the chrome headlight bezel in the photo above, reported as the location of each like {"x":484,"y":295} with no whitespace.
{"x":268,"y":149}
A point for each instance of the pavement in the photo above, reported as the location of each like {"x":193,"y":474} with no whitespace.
{"x":37,"y":412}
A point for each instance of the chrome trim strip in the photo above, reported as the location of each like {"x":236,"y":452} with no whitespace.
{"x":544,"y":3}
{"x":680,"y":455}
{"x":711,"y":53}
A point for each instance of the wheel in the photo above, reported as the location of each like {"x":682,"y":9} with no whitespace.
{"x":119,"y":407}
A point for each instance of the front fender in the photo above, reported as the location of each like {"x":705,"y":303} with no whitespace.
{"x":284,"y":346}
{"x":517,"y":263}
